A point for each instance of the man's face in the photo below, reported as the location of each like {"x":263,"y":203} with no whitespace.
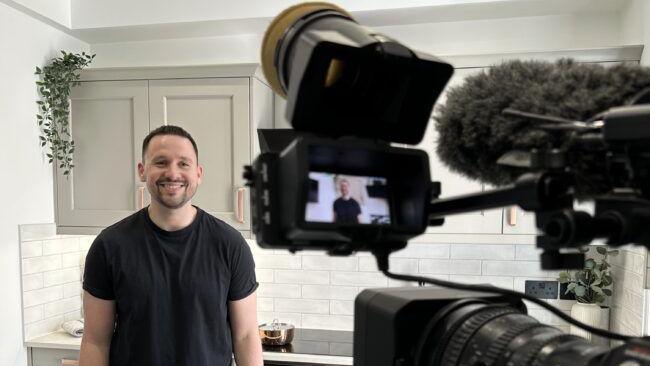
{"x":170,"y":170}
{"x":344,"y":186}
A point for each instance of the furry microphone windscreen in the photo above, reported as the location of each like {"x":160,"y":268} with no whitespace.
{"x":474,"y":134}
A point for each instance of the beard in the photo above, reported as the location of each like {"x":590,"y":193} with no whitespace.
{"x":179,"y":198}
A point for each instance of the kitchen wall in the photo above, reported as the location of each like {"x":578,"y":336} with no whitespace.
{"x":629,"y":270}
{"x":312,"y":290}
{"x":542,"y":33}
{"x":27,"y":178}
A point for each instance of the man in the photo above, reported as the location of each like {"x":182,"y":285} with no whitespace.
{"x":346,"y":208}
{"x":170,"y":285}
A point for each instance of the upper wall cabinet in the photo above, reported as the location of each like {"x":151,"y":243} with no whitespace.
{"x":113,"y":110}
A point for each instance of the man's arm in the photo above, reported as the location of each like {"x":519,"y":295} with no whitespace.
{"x":245,"y":335}
{"x":99,"y":323}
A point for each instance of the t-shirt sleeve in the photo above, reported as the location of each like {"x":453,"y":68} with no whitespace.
{"x":242,"y":281}
{"x":97,"y":275}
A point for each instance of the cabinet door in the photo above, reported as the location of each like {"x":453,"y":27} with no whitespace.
{"x":453,"y":184}
{"x":108,"y":121}
{"x":53,"y":357}
{"x":215,"y":111}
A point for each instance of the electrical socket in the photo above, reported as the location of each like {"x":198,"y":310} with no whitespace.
{"x":542,"y":289}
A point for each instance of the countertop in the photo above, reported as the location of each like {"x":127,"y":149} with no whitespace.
{"x":62,"y":340}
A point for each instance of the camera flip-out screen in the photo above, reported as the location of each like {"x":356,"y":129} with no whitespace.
{"x":347,"y":199}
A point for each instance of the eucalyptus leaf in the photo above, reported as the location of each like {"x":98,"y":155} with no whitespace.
{"x":612,"y":253}
{"x":580,"y":291}
{"x":607,"y":292}
{"x":590,"y":263}
{"x":601,"y":250}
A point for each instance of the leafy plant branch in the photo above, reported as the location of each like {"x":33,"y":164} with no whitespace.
{"x":56,"y":80}
{"x":590,"y":284}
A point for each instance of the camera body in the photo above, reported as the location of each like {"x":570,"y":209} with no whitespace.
{"x":342,"y":195}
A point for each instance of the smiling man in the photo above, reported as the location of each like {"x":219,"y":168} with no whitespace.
{"x":170,"y":284}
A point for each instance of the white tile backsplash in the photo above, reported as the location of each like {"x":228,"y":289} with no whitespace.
{"x":51,"y":267}
{"x":482,"y":251}
{"x":314,"y":290}
{"x":302,"y":306}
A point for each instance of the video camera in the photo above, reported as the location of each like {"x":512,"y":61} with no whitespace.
{"x":340,"y":181}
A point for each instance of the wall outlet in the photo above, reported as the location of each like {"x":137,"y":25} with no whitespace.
{"x":542,"y":289}
{"x":564,"y":295}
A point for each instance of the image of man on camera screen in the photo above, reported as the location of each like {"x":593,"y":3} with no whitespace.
{"x":347,"y":199}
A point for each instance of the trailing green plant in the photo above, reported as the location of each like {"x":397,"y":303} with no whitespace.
{"x":56,"y":80}
{"x":590,"y":284}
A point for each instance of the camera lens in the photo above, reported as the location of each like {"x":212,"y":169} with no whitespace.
{"x":483,"y":334}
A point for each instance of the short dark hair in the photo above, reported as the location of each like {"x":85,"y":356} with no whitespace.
{"x":168,"y":130}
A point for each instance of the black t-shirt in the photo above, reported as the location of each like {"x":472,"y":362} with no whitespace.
{"x":347,"y":211}
{"x":171,"y":289}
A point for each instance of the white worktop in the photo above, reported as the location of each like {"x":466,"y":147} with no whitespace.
{"x":62,"y":340}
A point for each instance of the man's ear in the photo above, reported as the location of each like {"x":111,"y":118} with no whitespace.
{"x":141,"y":172}
{"x":199,"y":170}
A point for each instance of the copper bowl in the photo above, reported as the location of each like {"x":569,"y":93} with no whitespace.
{"x":276,"y":334}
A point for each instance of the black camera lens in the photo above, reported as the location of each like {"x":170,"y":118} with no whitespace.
{"x":476,"y":333}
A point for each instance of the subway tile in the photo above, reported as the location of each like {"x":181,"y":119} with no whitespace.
{"x":329,"y":263}
{"x":278,"y":290}
{"x":341,"y":307}
{"x":397,"y":265}
{"x":61,"y":276}
{"x":627,"y":279}
{"x":302,"y":306}
{"x":267,"y":317}
{"x":264,"y":304}
{"x":72,"y":289}
{"x":631,"y":261}
{"x":85,"y":241}
{"x":527,"y":252}
{"x":628,"y":319}
{"x":451,"y":267}
{"x":69,"y":260}
{"x":629,"y":300}
{"x":358,"y":279}
{"x":333,"y":322}
{"x":400,"y":283}
{"x":32,"y":282}
{"x":482,"y":251}
{"x":73,"y":315}
{"x":61,"y":307}
{"x":423,"y":250}
{"x":59,"y":246}
{"x":277,"y":261}
{"x":42,"y":296}
{"x":302,"y":277}
{"x":44,"y":326}
{"x":41,"y":264}
{"x":498,"y":281}
{"x":32,"y":314}
{"x":516,"y":268}
{"x":29,"y":249}
{"x":264,"y":275}
{"x":329,"y":292}
{"x":29,"y":232}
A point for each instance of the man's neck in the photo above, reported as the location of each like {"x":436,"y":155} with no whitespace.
{"x":171,"y":219}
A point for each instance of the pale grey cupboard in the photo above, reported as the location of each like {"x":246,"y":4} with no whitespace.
{"x":112,"y":111}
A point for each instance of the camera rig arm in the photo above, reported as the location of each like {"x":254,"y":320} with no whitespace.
{"x":619,"y":218}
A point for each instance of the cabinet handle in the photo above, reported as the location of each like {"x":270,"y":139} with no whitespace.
{"x":511,"y":216}
{"x":240,"y":205}
{"x":140,"y":198}
{"x":66,"y":362}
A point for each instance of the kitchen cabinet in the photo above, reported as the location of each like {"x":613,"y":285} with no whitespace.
{"x":454,"y":184}
{"x":52,"y":357}
{"x":114,"y":109}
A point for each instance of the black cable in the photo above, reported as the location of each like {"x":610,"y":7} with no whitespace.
{"x":382,"y":263}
